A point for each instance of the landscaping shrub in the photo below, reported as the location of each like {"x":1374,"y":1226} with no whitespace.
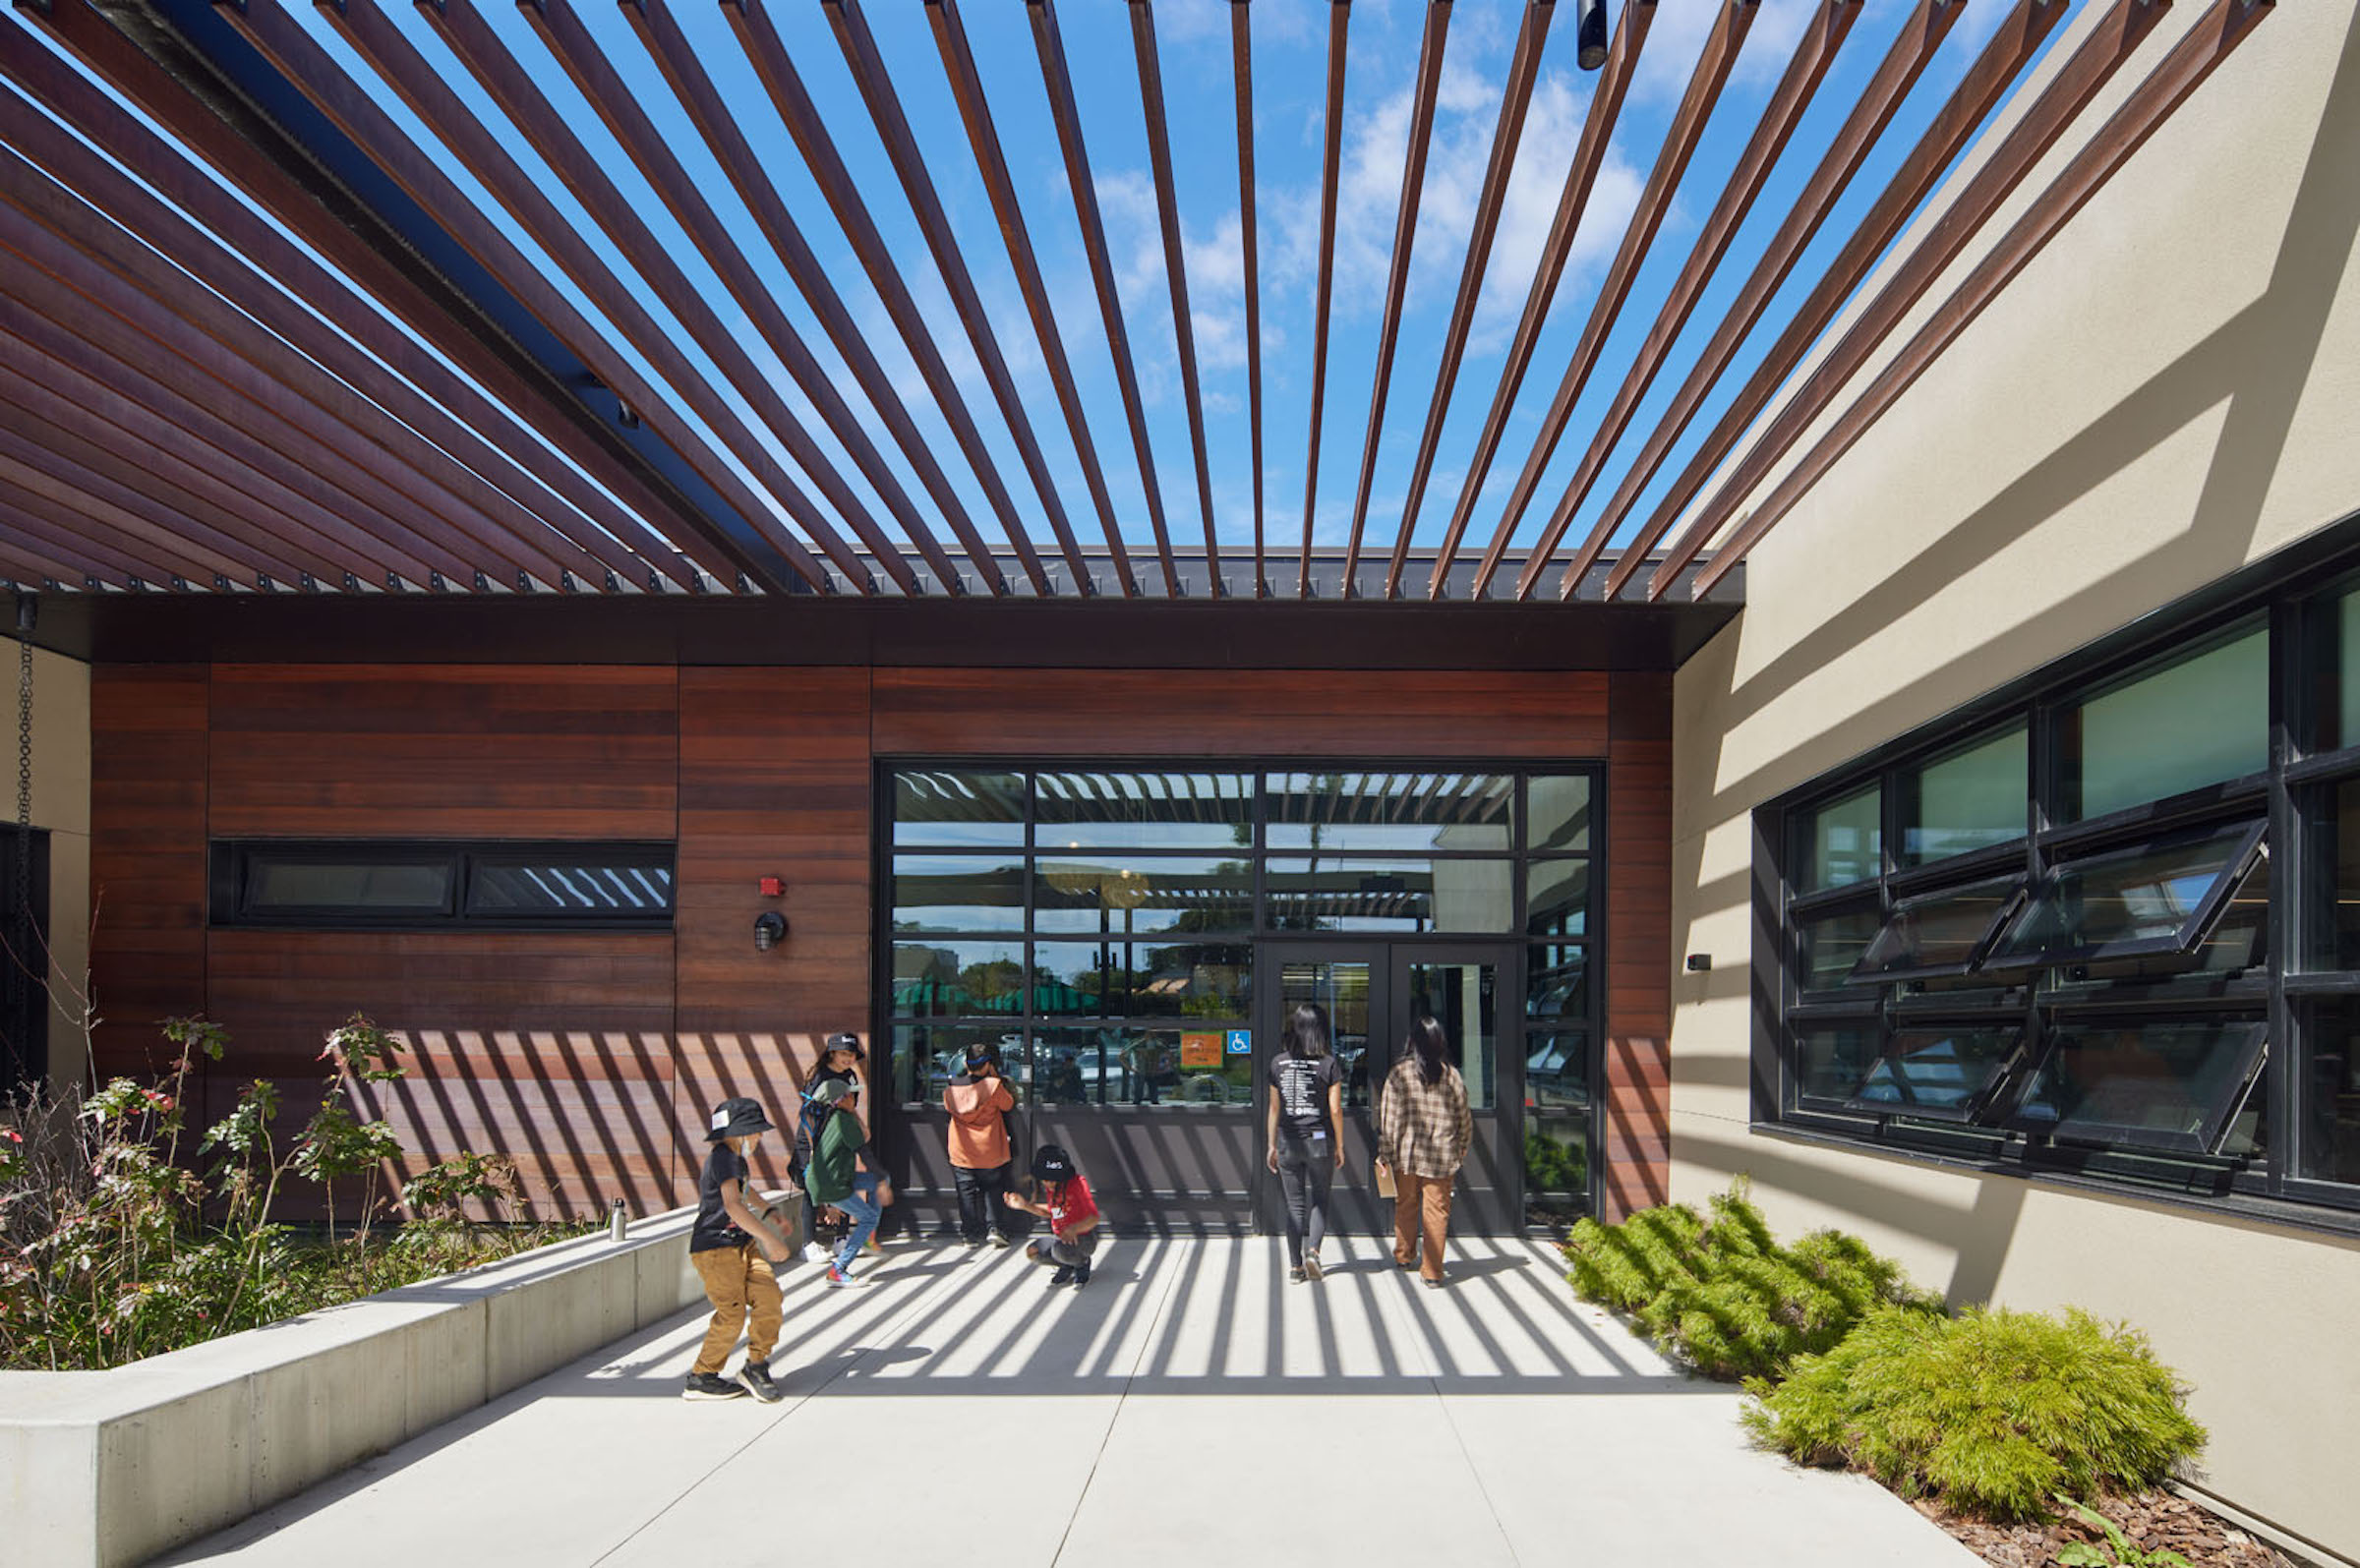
{"x":1723,"y":1296}
{"x":1994,"y":1412}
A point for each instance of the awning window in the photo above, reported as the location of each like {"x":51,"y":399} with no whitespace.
{"x":2162,"y":896}
{"x":1939,"y":933}
{"x":1946,"y":1073}
{"x":2173,"y":1084}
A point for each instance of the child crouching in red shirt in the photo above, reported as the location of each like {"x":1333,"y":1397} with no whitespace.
{"x":1073,"y":1216}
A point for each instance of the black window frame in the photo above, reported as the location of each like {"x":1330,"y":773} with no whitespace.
{"x":2290,"y":986}
{"x":232,"y":863}
{"x":1905,"y":905}
{"x":2248,"y":852}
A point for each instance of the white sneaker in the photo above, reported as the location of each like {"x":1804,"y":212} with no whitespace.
{"x":814,"y":1253}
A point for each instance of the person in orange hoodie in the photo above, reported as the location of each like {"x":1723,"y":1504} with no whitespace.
{"x":980,"y":1101}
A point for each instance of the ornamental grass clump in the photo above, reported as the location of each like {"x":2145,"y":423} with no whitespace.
{"x":1994,"y":1412}
{"x":1723,"y":1296}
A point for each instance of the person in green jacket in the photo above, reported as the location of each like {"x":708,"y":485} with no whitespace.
{"x":844,"y":1174}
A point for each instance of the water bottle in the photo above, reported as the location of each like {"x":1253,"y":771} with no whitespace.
{"x":616,"y":1225}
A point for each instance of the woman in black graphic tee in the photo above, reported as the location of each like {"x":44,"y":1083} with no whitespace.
{"x":1306,"y":1133}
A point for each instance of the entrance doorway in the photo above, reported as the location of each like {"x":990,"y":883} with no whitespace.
{"x":1372,"y":991}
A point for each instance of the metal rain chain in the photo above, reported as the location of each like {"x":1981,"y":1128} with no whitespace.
{"x":18,"y":991}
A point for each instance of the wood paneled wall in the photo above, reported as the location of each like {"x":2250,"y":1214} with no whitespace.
{"x":594,"y":1058}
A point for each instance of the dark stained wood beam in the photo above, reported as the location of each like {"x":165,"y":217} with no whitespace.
{"x":1057,"y":81}
{"x":901,"y":147}
{"x":1814,"y":56}
{"x":1396,"y":284}
{"x":518,"y":98}
{"x":974,"y":112}
{"x":1340,"y":22}
{"x":105,"y":531}
{"x":1589,"y":154}
{"x":312,"y":71}
{"x":1912,"y":51}
{"x":766,"y":51}
{"x":360,"y":247}
{"x":2198,"y":52}
{"x":1241,"y":70}
{"x":2108,"y":47}
{"x":1175,"y":265}
{"x":1516,"y":104}
{"x":1713,"y":65}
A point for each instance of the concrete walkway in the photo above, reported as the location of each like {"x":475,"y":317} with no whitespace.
{"x":1191,"y":1407}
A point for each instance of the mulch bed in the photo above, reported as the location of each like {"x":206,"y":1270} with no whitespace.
{"x":2153,"y":1521}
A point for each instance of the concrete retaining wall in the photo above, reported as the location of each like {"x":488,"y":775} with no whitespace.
{"x":113,"y":1466}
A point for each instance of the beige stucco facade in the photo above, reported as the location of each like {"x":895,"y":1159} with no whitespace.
{"x":61,"y":803}
{"x":2170,"y":390}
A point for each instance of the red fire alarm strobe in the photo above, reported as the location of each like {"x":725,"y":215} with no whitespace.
{"x":774,"y":887}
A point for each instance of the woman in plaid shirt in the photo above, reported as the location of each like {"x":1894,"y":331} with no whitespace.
{"x":1422,"y":1130}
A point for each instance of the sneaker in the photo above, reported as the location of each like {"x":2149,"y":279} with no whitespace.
{"x":707,"y":1386}
{"x":1310,"y":1264}
{"x":975,"y":1246}
{"x":1296,"y":1275}
{"x":1081,"y":1273}
{"x":1063,"y":1276}
{"x":815,"y":1253}
{"x":842,"y":1281}
{"x":755,"y":1375}
{"x":995,"y":1239}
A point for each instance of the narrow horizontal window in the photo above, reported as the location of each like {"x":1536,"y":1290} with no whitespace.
{"x":292,"y":884}
{"x":2172,"y":1085}
{"x":1939,"y":933}
{"x":941,"y":809}
{"x":1947,"y":1075}
{"x":413,"y":886}
{"x":2162,"y":896}
{"x":1408,"y":812}
{"x":1112,"y":895}
{"x":565,"y":882}
{"x":1368,"y":894}
{"x":1105,"y":810}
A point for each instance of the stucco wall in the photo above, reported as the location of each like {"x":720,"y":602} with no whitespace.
{"x":61,"y":803}
{"x":2170,"y":390}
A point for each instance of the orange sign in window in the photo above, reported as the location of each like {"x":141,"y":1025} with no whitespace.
{"x":1200,"y":1050}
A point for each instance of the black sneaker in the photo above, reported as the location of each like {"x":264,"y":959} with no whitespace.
{"x":708,"y":1386}
{"x":1296,"y":1274}
{"x":1063,"y":1276}
{"x":755,"y":1375}
{"x":1081,"y":1273}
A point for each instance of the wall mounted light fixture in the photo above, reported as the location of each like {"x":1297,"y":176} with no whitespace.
{"x":770,"y":929}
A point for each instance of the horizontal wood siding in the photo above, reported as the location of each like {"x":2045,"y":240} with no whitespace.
{"x":1234,"y":712}
{"x":775,"y":780}
{"x":1636,"y":1172}
{"x":148,"y":856}
{"x":586,"y":751}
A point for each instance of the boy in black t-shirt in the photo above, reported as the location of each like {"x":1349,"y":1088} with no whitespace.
{"x":732,"y":1248}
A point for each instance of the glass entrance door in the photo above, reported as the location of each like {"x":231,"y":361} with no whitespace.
{"x":1373,"y":992}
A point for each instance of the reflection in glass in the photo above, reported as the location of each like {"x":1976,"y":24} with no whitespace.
{"x":1945,"y":1073}
{"x":1193,"y":980}
{"x":1556,"y":1069}
{"x":1126,"y":1064}
{"x":1555,"y":982}
{"x":2330,"y":1110}
{"x":2337,"y":835}
{"x":2167,"y":1084}
{"x":958,"y":893}
{"x":927,"y":1056}
{"x":1559,"y":808}
{"x":1556,"y":1167}
{"x":1831,"y":1059}
{"x":285,"y":886}
{"x":2339,"y":710}
{"x":1092,"y":810}
{"x":1938,"y":933}
{"x":2194,"y":723}
{"x":943,"y":979}
{"x":1830,"y":944}
{"x":1116,"y":895}
{"x":1971,"y":799}
{"x":1557,"y":898}
{"x":1461,"y":998}
{"x":1397,"y":811}
{"x":1366,"y":894}
{"x":1081,"y":980}
{"x":955,"y":810}
{"x":582,"y":882}
{"x":2143,"y":899}
{"x":1842,"y":841}
{"x":1343,"y":990}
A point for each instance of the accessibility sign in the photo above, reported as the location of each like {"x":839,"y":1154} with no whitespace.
{"x":1241,"y":1042}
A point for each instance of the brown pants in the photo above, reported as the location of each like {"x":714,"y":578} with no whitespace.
{"x":1422,"y":1204}
{"x":738,"y":1282}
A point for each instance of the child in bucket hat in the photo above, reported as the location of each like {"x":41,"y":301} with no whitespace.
{"x":732,"y":1248}
{"x":1072,"y":1213}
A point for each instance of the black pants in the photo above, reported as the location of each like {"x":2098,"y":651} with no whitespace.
{"x":1306,"y":1168}
{"x":981,"y":1204}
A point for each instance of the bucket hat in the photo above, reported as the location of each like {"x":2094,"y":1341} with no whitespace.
{"x":735,"y":1118}
{"x":844,"y":1042}
{"x":829,"y":1090}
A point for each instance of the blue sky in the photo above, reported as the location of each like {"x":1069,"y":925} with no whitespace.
{"x":1290,"y":42}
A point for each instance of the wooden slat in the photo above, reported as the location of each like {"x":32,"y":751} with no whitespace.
{"x":547,"y":751}
{"x":1241,"y":65}
{"x":148,"y":856}
{"x":1636,"y":1172}
{"x":1340,"y":21}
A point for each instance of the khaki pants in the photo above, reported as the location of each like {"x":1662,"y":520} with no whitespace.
{"x":739,"y":1283}
{"x":1420,"y":1204}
